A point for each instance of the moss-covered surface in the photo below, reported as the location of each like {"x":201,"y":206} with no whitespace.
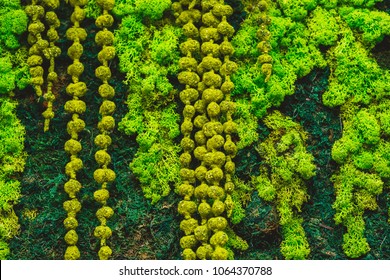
{"x":145,"y":231}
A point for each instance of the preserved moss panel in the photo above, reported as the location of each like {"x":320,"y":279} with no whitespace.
{"x":326,"y":36}
{"x":140,"y":230}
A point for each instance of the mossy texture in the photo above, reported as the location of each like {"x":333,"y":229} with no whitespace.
{"x":194,"y":129}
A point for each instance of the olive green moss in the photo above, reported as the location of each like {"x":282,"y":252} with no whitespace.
{"x":13,"y":75}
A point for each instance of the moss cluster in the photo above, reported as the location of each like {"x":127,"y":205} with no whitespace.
{"x":148,"y":55}
{"x":43,"y":48}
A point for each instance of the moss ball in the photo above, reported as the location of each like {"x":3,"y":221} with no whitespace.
{"x":102,"y":158}
{"x":209,"y":34}
{"x":104,"y":253}
{"x":200,"y":173}
{"x":75,"y":106}
{"x":265,"y":58}
{"x":217,"y":223}
{"x":186,"y":127}
{"x":202,"y":233}
{"x":52,"y":35}
{"x":211,"y":79}
{"x":190,"y":30}
{"x":210,"y":48}
{"x":34,"y":60}
{"x":190,"y":46}
{"x":225,"y":29}
{"x":36,"y":71}
{"x":229,"y":187}
{"x":77,"y":15}
{"x":200,"y":106}
{"x":204,"y":210}
{"x":200,"y":121}
{"x":230,"y":127}
{"x":188,"y":63}
{"x":102,"y":232}
{"x":185,"y":159}
{"x":187,"y":242}
{"x":226,"y":48}
{"x":75,"y":126}
{"x":216,"y":192}
{"x":107,"y":123}
{"x":52,"y":77}
{"x":72,"y":253}
{"x":107,"y":108}
{"x":72,"y":146}
{"x":78,"y":89}
{"x":219,"y":238}
{"x":185,"y":190}
{"x":76,"y":34}
{"x":212,"y":94}
{"x":36,"y":28}
{"x":187,"y":144}
{"x":214,"y":175}
{"x":188,"y":225}
{"x":70,"y":223}
{"x":230,"y":148}
{"x":104,"y":212}
{"x":72,"y":206}
{"x":104,"y":38}
{"x":230,"y":167}
{"x":212,"y":128}
{"x":218,"y":208}
{"x":220,"y":254}
{"x":106,"y":54}
{"x":210,"y":20}
{"x":75,"y":50}
{"x":228,"y":68}
{"x":213,"y":110}
{"x":72,"y":167}
{"x":186,"y":208}
{"x":71,"y":237}
{"x":106,"y":4}
{"x":106,"y":91}
{"x":188,"y":254}
{"x":221,"y":10}
{"x":199,"y":152}
{"x":35,"y":11}
{"x":204,"y":252}
{"x":104,"y":21}
{"x":72,"y":187}
{"x":200,"y":138}
{"x":215,"y":142}
{"x":76,"y":69}
{"x":104,"y":175}
{"x":103,"y":141}
{"x":189,"y":95}
{"x":187,"y":174}
{"x":189,"y":112}
{"x":188,"y":78}
{"x":103,"y":73}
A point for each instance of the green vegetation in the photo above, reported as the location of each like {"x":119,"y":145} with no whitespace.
{"x":13,"y":74}
{"x":205,"y":129}
{"x":104,"y":175}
